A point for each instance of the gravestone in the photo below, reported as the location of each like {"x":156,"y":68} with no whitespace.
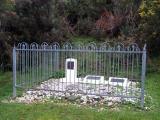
{"x":94,"y":79}
{"x":117,"y":81}
{"x":71,"y":70}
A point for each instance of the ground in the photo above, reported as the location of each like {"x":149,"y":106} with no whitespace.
{"x":65,"y":111}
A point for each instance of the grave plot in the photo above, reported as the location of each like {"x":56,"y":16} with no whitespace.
{"x":88,"y":74}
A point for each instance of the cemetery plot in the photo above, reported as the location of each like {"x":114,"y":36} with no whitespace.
{"x":94,"y":70}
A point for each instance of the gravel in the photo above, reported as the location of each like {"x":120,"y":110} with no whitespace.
{"x":77,"y":92}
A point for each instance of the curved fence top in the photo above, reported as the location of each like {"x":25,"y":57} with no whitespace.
{"x":90,"y":46}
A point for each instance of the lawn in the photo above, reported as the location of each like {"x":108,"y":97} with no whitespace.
{"x":61,"y":111}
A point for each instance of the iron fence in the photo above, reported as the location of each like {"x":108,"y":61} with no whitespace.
{"x":102,"y":70}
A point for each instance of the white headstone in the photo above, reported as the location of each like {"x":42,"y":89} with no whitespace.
{"x":118,"y":81}
{"x":94,"y":79}
{"x":71,"y":70}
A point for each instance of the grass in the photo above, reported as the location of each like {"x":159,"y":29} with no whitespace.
{"x":68,"y":112}
{"x":60,"y":111}
{"x":83,"y":40}
{"x":5,"y":85}
{"x":153,"y":88}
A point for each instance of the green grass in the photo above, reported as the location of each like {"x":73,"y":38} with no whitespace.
{"x":50,"y":111}
{"x":153,"y":88}
{"x":5,"y":85}
{"x":60,"y":111}
{"x":82,"y":40}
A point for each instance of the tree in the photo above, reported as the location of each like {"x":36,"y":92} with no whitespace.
{"x":149,"y":26}
{"x":6,"y":13}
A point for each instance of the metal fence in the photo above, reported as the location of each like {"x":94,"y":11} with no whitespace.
{"x":102,"y":69}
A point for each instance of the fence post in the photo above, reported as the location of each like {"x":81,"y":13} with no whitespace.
{"x":14,"y":71}
{"x":143,"y":75}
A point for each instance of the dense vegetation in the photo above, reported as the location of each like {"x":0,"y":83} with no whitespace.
{"x":61,"y":20}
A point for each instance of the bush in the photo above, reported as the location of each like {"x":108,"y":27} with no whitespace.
{"x":149,"y":30}
{"x":58,"y":74}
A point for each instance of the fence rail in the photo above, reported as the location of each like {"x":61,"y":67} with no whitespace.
{"x":91,"y":69}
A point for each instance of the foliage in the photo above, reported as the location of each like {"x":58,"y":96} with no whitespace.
{"x":58,"y":74}
{"x":6,"y":5}
{"x":6,"y":27}
{"x":149,"y":30}
{"x":34,"y":20}
{"x":60,"y":20}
